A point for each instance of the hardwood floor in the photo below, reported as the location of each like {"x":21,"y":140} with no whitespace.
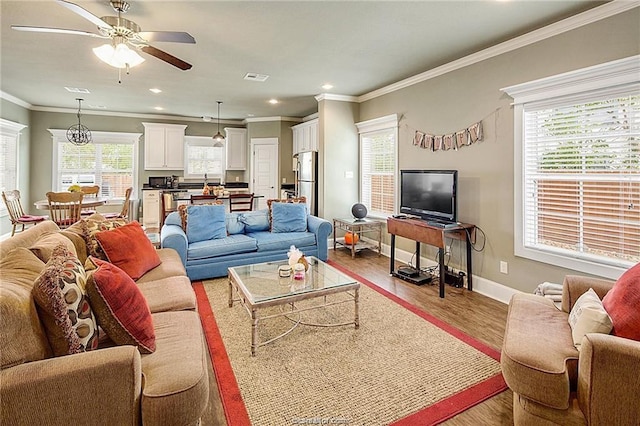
{"x":473,"y":313}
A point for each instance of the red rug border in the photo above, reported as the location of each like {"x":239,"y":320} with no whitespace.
{"x":228,"y":388}
{"x":441,"y":411}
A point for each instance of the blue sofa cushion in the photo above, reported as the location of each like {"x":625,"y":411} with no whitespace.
{"x":206,"y":222}
{"x":280,"y":241}
{"x":255,"y":221}
{"x":288,"y":217}
{"x":232,"y":244}
{"x":234,"y":225}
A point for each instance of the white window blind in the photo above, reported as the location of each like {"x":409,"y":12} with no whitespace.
{"x":109,"y":161}
{"x":201,"y":158}
{"x":9,"y":136}
{"x":378,"y":171}
{"x":581,"y":176}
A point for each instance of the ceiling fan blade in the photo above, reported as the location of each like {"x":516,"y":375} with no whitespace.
{"x":164,"y":56}
{"x":84,"y":13}
{"x":55,"y":30}
{"x":169,"y":36}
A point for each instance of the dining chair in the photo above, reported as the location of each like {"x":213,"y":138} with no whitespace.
{"x":16,"y":213}
{"x":205,"y":199}
{"x":124,"y":213}
{"x":92,"y":191}
{"x":240,"y":202}
{"x":65,"y":207}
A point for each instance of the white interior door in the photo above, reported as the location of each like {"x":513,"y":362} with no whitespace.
{"x":264,"y":169}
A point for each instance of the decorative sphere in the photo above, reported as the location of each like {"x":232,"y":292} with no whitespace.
{"x":351,"y":238}
{"x":359,"y":211}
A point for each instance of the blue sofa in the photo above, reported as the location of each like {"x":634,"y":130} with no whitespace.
{"x":248,"y":240}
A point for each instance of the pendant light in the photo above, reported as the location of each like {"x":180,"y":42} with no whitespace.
{"x":78,"y":134}
{"x":218,"y":137}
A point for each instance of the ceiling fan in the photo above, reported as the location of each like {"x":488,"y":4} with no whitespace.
{"x":123,"y":34}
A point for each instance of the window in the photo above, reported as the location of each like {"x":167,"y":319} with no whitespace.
{"x":378,"y":155}
{"x":579,"y":165}
{"x":109,"y":161}
{"x":201,"y":158}
{"x":9,"y":136}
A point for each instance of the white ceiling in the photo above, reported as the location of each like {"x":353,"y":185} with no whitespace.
{"x":358,"y":46}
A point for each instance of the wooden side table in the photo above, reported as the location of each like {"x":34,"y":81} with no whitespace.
{"x":358,"y":227}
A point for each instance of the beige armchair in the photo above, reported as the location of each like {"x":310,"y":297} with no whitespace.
{"x":555,"y":384}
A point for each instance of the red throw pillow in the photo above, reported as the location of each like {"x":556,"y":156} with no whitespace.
{"x":120,"y":307}
{"x":128,"y":248}
{"x":622,"y":302}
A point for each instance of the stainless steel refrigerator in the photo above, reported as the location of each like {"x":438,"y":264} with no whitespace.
{"x":306,"y":179}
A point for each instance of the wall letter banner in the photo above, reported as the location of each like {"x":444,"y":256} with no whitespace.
{"x":457,"y":140}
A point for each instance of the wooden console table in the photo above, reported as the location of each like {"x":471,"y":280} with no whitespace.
{"x":419,"y":231}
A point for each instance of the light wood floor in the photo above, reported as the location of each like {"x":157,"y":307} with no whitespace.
{"x":476,"y":315}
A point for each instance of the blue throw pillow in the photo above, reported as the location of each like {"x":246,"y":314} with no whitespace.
{"x":255,"y":221}
{"x":288,"y":217}
{"x":206,"y":222}
{"x":234,"y":225}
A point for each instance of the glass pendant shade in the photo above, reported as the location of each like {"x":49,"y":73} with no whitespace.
{"x":218,"y":137}
{"x":119,"y":56}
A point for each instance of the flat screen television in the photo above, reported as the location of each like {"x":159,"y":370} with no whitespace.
{"x":429,"y":194}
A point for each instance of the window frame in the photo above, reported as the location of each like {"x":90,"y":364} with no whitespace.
{"x":390,"y":123}
{"x":603,"y":79}
{"x":204,"y":141}
{"x":11,"y":130}
{"x":59,"y":136}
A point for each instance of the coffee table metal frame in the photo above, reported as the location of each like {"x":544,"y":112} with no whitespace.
{"x":287,"y":301}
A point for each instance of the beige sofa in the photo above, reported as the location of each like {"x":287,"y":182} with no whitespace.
{"x":555,"y":384}
{"x":113,"y":385}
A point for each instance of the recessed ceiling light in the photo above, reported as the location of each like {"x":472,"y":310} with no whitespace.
{"x":77,"y":90}
{"x":155,"y":90}
{"x":327,"y":86}
{"x":158,"y":108}
{"x":254,"y":76}
{"x":273,"y":101}
{"x":250,"y":115}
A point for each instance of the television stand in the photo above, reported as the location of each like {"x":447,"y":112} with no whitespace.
{"x":422,"y":232}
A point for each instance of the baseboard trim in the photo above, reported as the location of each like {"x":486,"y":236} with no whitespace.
{"x":484,"y":286}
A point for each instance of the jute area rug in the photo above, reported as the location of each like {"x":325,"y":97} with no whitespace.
{"x":402,"y":366}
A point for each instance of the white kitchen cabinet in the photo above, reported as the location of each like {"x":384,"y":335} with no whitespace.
{"x":151,"y":208}
{"x":163,"y":146}
{"x":236,"y":146}
{"x":305,"y":136}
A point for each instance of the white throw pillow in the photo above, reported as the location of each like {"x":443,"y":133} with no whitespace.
{"x":588,"y":316}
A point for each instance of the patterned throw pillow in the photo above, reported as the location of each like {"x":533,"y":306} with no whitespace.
{"x":91,"y":227}
{"x":120,"y":307}
{"x":59,"y":293}
{"x":284,"y":200}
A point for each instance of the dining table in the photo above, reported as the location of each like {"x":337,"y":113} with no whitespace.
{"x":87,"y":202}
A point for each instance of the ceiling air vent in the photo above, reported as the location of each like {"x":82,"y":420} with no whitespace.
{"x":252,"y":76}
{"x":77,"y":90}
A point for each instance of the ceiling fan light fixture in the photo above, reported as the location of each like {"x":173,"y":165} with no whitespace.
{"x":120,"y":56}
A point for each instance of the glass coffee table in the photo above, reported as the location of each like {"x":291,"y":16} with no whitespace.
{"x":260,"y":286}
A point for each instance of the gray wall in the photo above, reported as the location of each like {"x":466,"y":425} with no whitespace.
{"x":453,"y":101}
{"x":17,"y":114}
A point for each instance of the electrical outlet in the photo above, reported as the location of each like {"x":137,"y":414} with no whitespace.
{"x":504,"y":267}
{"x":284,"y":180}
{"x":237,"y":178}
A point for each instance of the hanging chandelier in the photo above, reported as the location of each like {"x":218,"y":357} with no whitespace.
{"x":79,"y":134}
{"x":218,"y":137}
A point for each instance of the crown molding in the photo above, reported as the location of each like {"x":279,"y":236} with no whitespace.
{"x":129,"y":115}
{"x":275,"y":118}
{"x":588,"y":17}
{"x":8,"y":97}
{"x":333,"y":97}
